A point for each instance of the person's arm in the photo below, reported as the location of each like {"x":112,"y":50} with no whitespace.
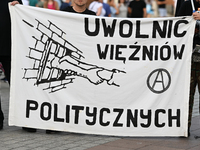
{"x":117,"y":9}
{"x":45,"y":4}
{"x":144,"y":12}
{"x":129,"y":10}
{"x":13,"y":3}
{"x":99,"y":11}
{"x":196,"y":15}
{"x":56,"y":5}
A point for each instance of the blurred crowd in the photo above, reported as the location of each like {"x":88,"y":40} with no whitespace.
{"x":114,"y":8}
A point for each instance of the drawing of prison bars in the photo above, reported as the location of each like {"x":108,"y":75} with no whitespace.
{"x":54,"y":77}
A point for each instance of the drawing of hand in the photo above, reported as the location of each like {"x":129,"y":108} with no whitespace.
{"x":93,"y":77}
{"x":115,"y":78}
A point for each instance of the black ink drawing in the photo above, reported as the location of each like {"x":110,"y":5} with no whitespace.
{"x":57,"y":62}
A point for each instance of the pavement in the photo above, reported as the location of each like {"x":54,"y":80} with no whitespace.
{"x":14,"y":138}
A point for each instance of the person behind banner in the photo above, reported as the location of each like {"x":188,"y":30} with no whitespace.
{"x":123,"y":9}
{"x":186,"y":10}
{"x":33,"y":2}
{"x":137,"y":9}
{"x":106,"y":7}
{"x":162,"y":8}
{"x":5,"y":43}
{"x":79,"y":7}
{"x":40,"y":4}
{"x":51,"y":4}
{"x":7,"y":48}
{"x":97,"y":7}
{"x":113,"y":7}
{"x":65,"y":4}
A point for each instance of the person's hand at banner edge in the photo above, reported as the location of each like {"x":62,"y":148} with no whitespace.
{"x":14,"y":3}
{"x":196,"y":15}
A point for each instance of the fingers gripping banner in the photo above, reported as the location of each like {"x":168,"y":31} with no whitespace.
{"x":96,"y":75}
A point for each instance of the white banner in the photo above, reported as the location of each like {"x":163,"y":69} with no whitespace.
{"x":97,"y":75}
